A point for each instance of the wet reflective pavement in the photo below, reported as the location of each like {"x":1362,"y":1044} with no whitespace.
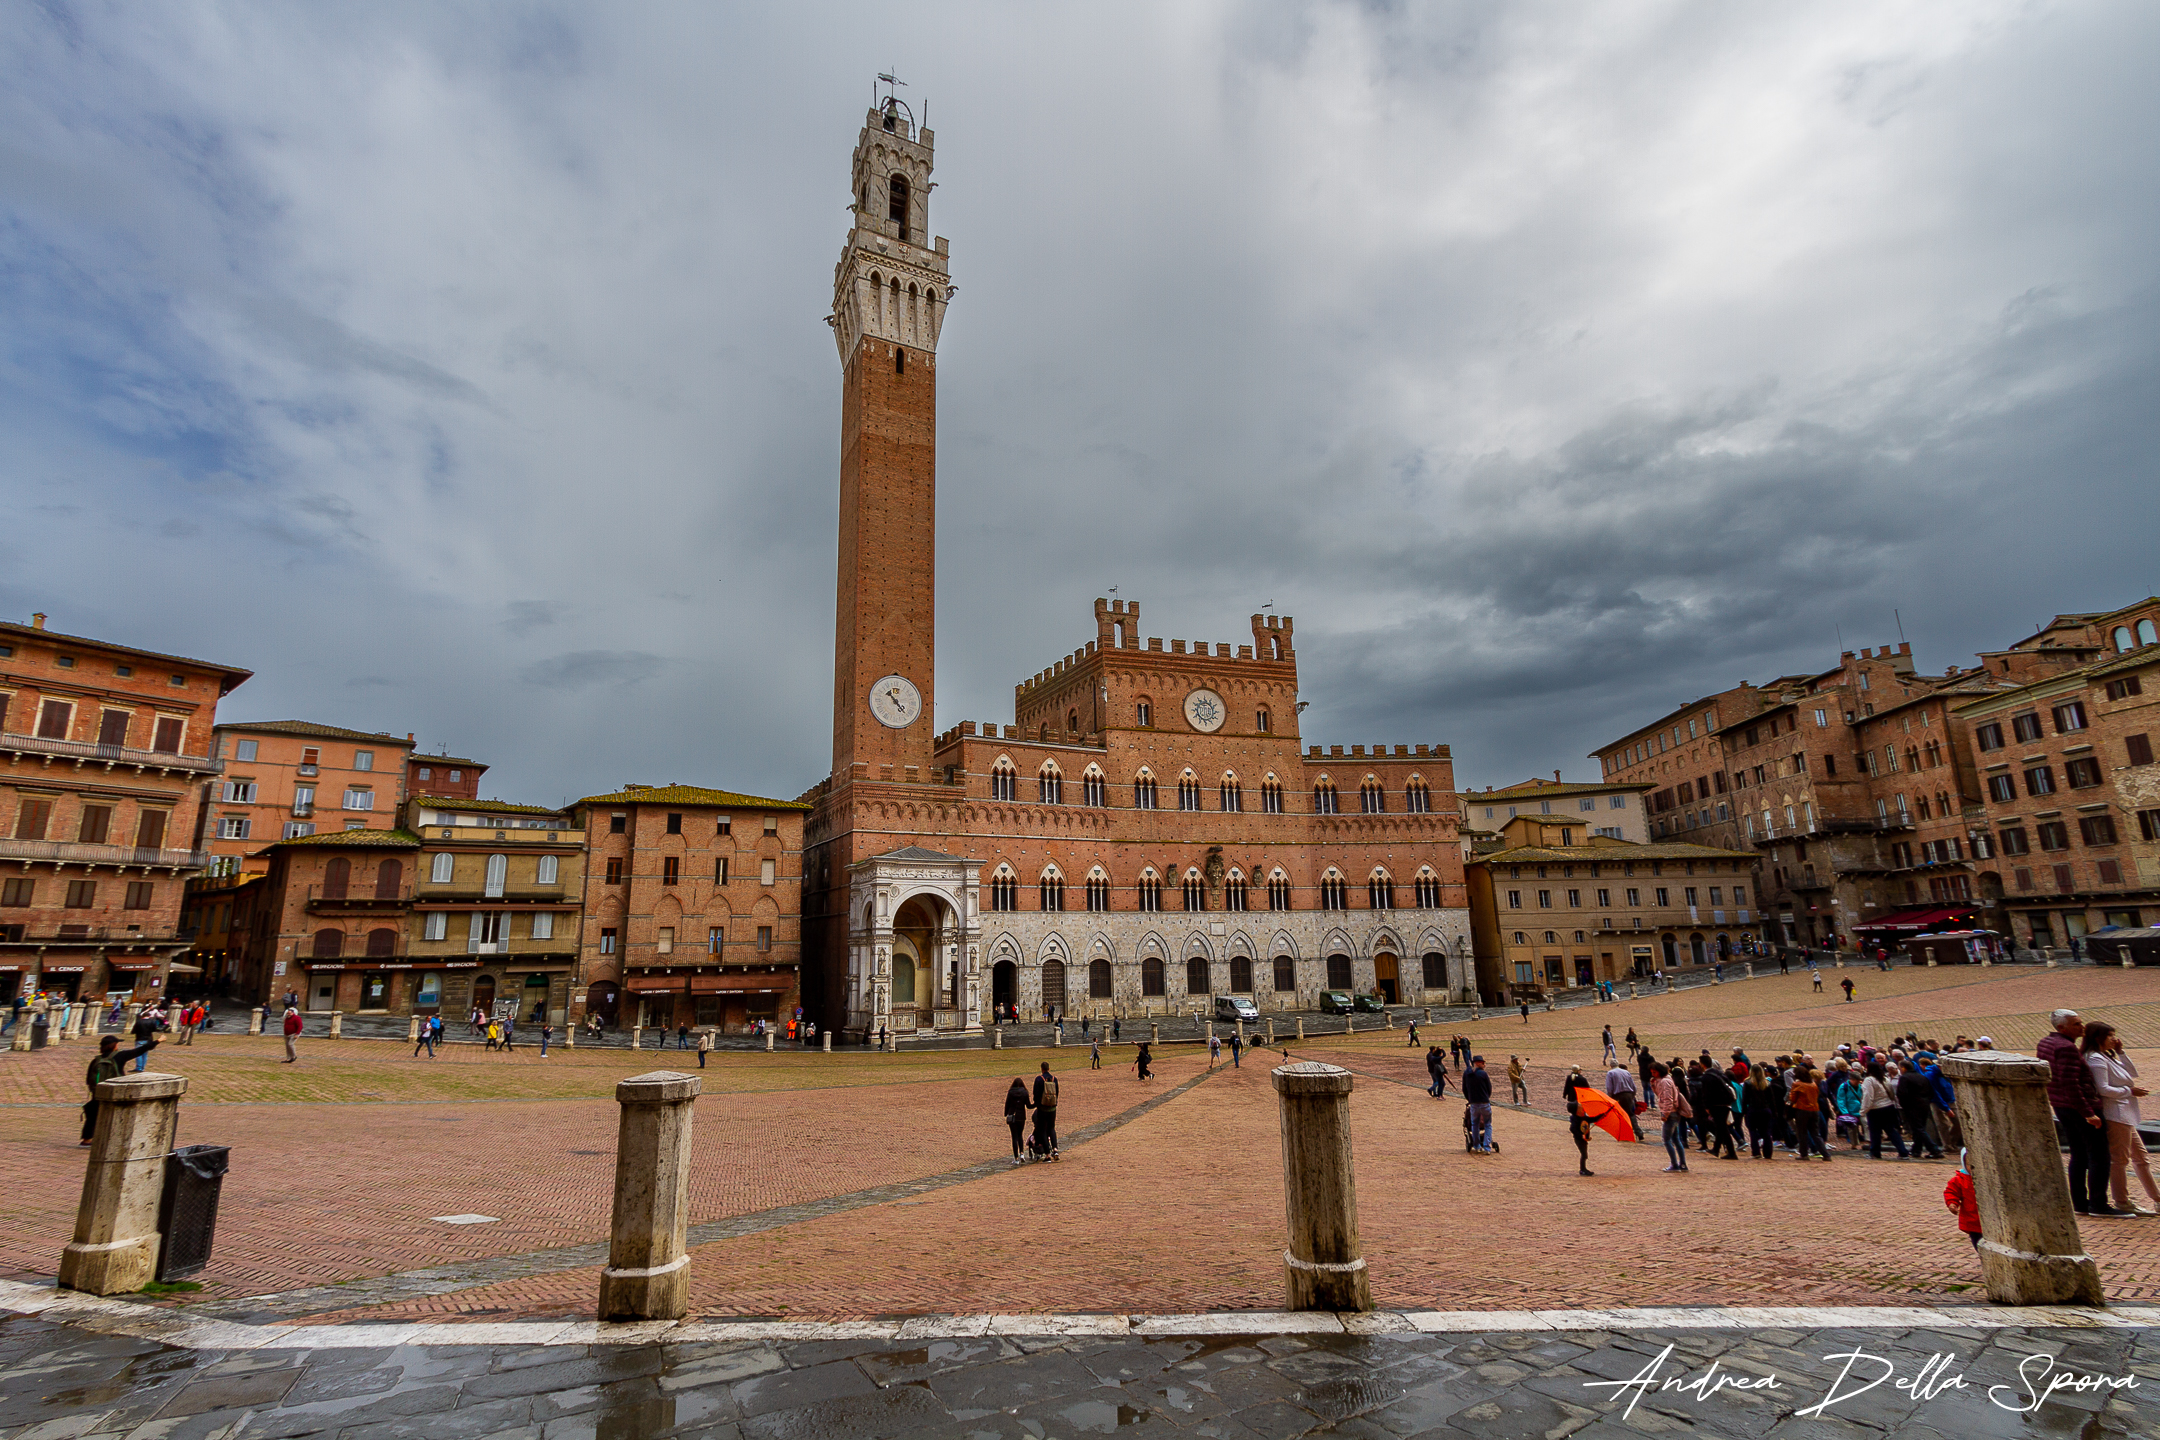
{"x":61,"y":1381}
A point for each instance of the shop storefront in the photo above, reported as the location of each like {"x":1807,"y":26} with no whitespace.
{"x":731,"y":1001}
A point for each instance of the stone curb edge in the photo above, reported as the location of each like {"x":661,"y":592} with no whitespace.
{"x":149,"y":1322}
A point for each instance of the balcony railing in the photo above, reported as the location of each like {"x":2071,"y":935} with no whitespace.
{"x":1867,"y":824}
{"x":106,"y":935}
{"x":467,"y":893}
{"x":302,"y":810}
{"x":353,"y":897}
{"x":80,"y":854}
{"x":84,"y":750}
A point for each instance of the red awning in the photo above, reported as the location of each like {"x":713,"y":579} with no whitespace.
{"x":1920,"y":919}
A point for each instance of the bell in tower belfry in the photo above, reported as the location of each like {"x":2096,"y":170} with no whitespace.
{"x":890,"y":292}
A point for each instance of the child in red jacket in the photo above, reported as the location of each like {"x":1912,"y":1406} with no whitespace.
{"x":1960,"y":1198}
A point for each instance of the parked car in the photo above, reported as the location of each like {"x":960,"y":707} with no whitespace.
{"x":1368,"y":1005}
{"x":1335,"y":1002}
{"x":1236,"y":1007}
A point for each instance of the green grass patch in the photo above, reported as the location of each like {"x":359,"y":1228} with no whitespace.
{"x":168,"y":1287}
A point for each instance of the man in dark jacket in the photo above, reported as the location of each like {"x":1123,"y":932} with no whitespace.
{"x":1477,"y":1090}
{"x":1711,"y":1095}
{"x":1916,"y":1098}
{"x":1046,"y":1098}
{"x":2077,"y":1108}
{"x":110,"y":1063}
{"x":144,"y":1031}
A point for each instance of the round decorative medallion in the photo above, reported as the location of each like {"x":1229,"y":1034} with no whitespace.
{"x":895,"y":702}
{"x":1205,"y":711}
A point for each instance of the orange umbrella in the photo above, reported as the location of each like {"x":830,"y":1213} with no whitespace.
{"x":1604,"y":1112}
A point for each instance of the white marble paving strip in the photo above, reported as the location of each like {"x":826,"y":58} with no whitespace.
{"x":176,"y":1327}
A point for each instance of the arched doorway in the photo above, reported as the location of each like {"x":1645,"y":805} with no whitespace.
{"x":1098,"y":979}
{"x":922,"y":930}
{"x":1004,"y":987}
{"x":1672,"y":950}
{"x":1695,"y":948}
{"x":1053,"y":988}
{"x":602,"y":999}
{"x":1241,"y":974}
{"x":1386,"y":978}
{"x":483,"y":994}
{"x":1151,"y":976}
{"x":1338,"y":972}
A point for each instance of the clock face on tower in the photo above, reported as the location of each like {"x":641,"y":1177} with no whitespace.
{"x":895,"y":702}
{"x":1205,"y":711}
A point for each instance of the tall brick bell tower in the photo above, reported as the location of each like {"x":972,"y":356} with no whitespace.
{"x":889,"y":296}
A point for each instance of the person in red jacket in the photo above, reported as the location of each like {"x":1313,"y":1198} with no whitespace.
{"x":1961,"y":1200}
{"x":292,"y":1034}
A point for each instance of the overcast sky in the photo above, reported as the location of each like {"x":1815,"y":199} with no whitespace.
{"x":462,"y":369}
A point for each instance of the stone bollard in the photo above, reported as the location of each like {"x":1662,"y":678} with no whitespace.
{"x":1301,"y":1027}
{"x":1270,"y":1030}
{"x":569,"y":1034}
{"x":21,"y":1038}
{"x":1632,"y":992}
{"x":2030,"y":1250}
{"x":648,"y":1269}
{"x":637,"y":1037}
{"x":255,"y":1020}
{"x":1057,"y":1036}
{"x":1210,"y":1029}
{"x":825,"y":1041}
{"x":1747,"y":969}
{"x":1323,"y":1267}
{"x":997,"y":1037}
{"x":337,"y":1024}
{"x":1428,"y":1015}
{"x":1154,"y":1034}
{"x":412,"y":1030}
{"x":1349,"y":1023}
{"x":769,"y":1041}
{"x":115,"y":1249}
{"x":1387,"y":1019}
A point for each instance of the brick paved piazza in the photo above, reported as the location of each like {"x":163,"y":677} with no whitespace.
{"x":863,"y":1185}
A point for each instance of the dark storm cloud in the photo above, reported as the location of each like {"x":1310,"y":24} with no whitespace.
{"x":1553,"y":366}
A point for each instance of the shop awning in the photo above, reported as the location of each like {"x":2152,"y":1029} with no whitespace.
{"x":656,"y":984}
{"x":1920,"y":919}
{"x":766,"y":984}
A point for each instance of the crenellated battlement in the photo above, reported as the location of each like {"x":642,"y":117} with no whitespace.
{"x":1117,"y":629}
{"x":1377,"y":752}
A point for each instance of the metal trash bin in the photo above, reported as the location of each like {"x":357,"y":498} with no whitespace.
{"x":187,"y":1210}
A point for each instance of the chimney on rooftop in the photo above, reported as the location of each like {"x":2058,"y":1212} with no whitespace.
{"x":408,"y":737}
{"x":1556,"y":777}
{"x":37,"y":620}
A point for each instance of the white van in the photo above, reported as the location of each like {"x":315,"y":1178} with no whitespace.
{"x":1236,"y":1007}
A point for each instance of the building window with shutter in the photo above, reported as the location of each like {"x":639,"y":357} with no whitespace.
{"x":543,"y":926}
{"x":436,"y":925}
{"x":768,"y":872}
{"x":139,"y":893}
{"x":82,"y":895}
{"x":607,"y":941}
{"x":357,"y":798}
{"x":764,"y":937}
{"x":235,"y":827}
{"x":670,"y":870}
{"x":441,"y":867}
{"x":772,"y":824}
{"x":618,"y":824}
{"x":719,"y":871}
{"x":614,"y":870}
{"x":715,"y":939}
{"x":363,"y":760}
{"x":664,"y":941}
{"x":545,"y":872}
{"x":54,"y":717}
{"x":674,"y":824}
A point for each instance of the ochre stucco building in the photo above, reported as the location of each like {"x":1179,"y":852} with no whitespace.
{"x":1150,"y":831}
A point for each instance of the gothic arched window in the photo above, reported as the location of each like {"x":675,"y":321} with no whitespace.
{"x":1334,"y":893}
{"x":1271,"y":796}
{"x":1195,"y":891}
{"x":1428,"y":890}
{"x":1149,"y":890}
{"x":1232,"y":793}
{"x":1052,"y":888}
{"x":1417,"y":799}
{"x":896,"y":209}
{"x":1323,"y":798}
{"x":1050,"y":784}
{"x":1278,"y":891}
{"x":1091,"y":787}
{"x":1188,"y":791}
{"x":1380,"y":890}
{"x":1143,"y":791}
{"x":1233,"y":894}
{"x":1371,"y":798}
{"x":1004,"y":890}
{"x":1004,"y":780}
{"x":1196,"y":976}
{"x":1098,"y":890}
{"x":1151,"y":976}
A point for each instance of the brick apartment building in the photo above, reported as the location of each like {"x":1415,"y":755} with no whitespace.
{"x":462,"y":903}
{"x":1611,"y":811}
{"x":1852,"y":785}
{"x":285,"y":779}
{"x":444,"y":775}
{"x":108,"y":765}
{"x":2068,"y":835}
{"x":692,"y":907}
{"x":1557,"y":903}
{"x":1150,"y":831}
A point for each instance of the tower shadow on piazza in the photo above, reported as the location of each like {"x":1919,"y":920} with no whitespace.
{"x":1150,"y":834}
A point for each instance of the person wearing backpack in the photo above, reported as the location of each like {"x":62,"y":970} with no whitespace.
{"x":1046,"y":1098}
{"x":110,"y":1063}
